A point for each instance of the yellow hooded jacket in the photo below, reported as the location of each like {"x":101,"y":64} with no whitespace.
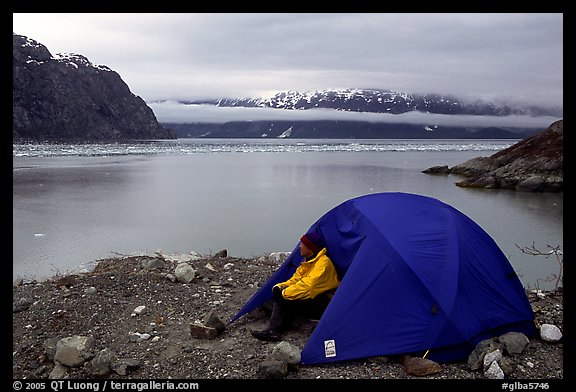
{"x":311,"y":278}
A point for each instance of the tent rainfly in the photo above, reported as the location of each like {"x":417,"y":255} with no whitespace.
{"x":416,"y":275}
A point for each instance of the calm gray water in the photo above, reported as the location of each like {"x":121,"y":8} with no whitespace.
{"x":73,"y":205}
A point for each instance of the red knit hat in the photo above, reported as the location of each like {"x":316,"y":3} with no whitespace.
{"x":312,"y":241}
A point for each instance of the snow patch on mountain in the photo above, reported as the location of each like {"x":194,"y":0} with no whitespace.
{"x":381,"y":101}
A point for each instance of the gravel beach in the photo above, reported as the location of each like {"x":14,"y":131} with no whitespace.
{"x":135,"y":310}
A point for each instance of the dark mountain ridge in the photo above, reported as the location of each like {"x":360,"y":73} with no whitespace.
{"x":330,"y":129}
{"x":66,"y":97}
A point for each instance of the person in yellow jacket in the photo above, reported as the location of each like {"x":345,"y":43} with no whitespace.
{"x":307,"y":293}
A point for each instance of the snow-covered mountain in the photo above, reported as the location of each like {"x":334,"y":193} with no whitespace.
{"x":381,"y":101}
{"x":365,"y":101}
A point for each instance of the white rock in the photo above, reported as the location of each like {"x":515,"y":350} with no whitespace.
{"x":91,"y":290}
{"x":494,"y":372}
{"x":279,"y":257}
{"x":550,"y":333}
{"x":145,"y":336}
{"x":195,"y":255}
{"x":139,"y":310}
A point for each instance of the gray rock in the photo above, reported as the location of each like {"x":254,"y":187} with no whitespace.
{"x":490,"y":357}
{"x":73,"y":351}
{"x":507,"y":365}
{"x":21,"y":305}
{"x":184,"y":273}
{"x":530,"y":184}
{"x":437,"y":170}
{"x":272,"y":369}
{"x":49,"y":347}
{"x":58,"y":372}
{"x":91,"y":290}
{"x":286,"y":352}
{"x":124,"y":366}
{"x":170,"y":277}
{"x":101,"y":364}
{"x":154,"y":263}
{"x":212,"y":320}
{"x":514,"y":342}
{"x":476,"y":357}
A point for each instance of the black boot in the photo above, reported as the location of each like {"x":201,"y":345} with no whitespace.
{"x":279,"y":322}
{"x":267,"y":335}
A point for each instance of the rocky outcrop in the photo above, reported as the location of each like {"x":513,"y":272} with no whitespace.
{"x":534,"y":164}
{"x":66,"y":97}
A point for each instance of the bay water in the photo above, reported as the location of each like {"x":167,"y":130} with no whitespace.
{"x":74,"y":204}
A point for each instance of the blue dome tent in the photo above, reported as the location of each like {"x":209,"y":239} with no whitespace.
{"x":417,"y":276}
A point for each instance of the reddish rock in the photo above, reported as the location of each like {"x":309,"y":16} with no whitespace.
{"x":200,"y":331}
{"x":416,"y":366}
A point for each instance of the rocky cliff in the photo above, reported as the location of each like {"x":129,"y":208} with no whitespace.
{"x":66,"y":97}
{"x":535,"y":164}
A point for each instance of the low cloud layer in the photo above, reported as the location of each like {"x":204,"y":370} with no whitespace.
{"x":174,"y":112}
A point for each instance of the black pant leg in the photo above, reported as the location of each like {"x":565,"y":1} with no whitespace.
{"x":282,"y":315}
{"x":313,"y":308}
{"x":284,"y":311}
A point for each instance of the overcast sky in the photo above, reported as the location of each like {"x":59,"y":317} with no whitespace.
{"x":489,"y":56}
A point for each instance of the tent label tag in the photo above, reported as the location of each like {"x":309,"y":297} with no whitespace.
{"x":329,"y":348}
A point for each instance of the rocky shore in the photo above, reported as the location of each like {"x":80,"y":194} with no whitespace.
{"x":161,"y":316}
{"x":535,"y":164}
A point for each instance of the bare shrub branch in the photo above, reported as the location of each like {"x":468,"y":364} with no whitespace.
{"x":553,"y":251}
